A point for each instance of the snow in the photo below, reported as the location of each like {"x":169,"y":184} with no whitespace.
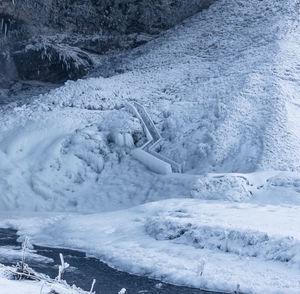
{"x":223,"y":91}
{"x":10,"y":286}
{"x":9,"y":253}
{"x":240,"y":243}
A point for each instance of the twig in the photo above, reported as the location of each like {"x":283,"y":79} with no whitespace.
{"x":32,"y":277}
{"x":23,"y":253}
{"x":62,"y":268}
{"x":92,"y":287}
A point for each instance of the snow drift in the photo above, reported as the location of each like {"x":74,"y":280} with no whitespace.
{"x":221,"y":88}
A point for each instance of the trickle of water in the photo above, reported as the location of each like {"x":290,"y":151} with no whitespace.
{"x":84,"y":269}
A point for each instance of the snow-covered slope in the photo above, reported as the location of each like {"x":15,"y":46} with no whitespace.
{"x":222,"y":89}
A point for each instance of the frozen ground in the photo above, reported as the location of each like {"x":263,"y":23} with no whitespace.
{"x":223,"y":90}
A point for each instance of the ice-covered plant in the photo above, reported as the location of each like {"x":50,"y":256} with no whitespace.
{"x":25,"y":243}
{"x":62,"y":268}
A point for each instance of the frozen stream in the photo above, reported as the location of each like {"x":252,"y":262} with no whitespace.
{"x":84,"y":269}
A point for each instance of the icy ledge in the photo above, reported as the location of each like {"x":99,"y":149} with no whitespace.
{"x":184,"y":228}
{"x":125,"y":240}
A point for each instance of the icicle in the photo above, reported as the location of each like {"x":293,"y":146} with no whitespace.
{"x":2,"y":24}
{"x":5,"y":30}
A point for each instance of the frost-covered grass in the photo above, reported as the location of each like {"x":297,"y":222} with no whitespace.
{"x":52,"y":50}
{"x":21,"y":279}
{"x":9,"y":285}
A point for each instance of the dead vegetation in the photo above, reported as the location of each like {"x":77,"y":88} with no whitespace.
{"x":22,"y":271}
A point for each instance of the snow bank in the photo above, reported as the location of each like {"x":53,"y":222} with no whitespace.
{"x":179,"y":226}
{"x":176,"y":240}
{"x":222,"y":89}
{"x":223,"y":187}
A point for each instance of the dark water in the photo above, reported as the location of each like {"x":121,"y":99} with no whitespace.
{"x":84,"y":269}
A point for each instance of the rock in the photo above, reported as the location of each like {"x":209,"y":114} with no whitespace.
{"x":51,"y":40}
{"x":8,"y":71}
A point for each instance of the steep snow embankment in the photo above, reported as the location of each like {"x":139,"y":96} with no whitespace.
{"x":221,"y":87}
